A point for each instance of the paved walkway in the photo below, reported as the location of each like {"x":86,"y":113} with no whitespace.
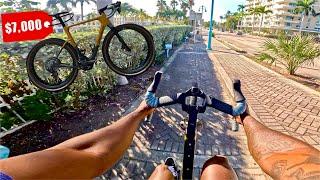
{"x":163,"y":138}
{"x":279,"y":103}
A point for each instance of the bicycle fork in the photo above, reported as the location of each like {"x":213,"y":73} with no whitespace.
{"x":124,"y":44}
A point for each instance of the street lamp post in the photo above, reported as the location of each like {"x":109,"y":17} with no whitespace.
{"x":202,"y":9}
{"x":211,"y":25}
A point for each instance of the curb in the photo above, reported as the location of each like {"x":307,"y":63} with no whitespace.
{"x":228,"y":81}
{"x":292,"y":82}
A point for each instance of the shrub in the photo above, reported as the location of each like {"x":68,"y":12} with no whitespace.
{"x":99,"y":81}
{"x":292,"y":52}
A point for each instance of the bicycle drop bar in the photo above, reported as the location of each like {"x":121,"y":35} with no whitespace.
{"x":181,"y":98}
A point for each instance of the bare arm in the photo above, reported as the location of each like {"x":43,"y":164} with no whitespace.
{"x":279,"y":155}
{"x":85,"y":156}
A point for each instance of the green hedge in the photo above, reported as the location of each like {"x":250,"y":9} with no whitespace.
{"x":98,"y":81}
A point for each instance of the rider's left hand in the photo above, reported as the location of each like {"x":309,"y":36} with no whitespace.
{"x":144,"y":108}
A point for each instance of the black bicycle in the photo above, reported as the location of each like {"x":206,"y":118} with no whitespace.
{"x":195,"y":101}
{"x":128,"y":50}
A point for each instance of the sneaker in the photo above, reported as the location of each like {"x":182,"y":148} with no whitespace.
{"x":171,"y":166}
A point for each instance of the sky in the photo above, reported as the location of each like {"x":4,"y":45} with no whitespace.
{"x":220,"y":6}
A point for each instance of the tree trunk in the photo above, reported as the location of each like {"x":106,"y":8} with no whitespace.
{"x":261,"y":21}
{"x":301,"y":24}
{"x":254,"y":18}
{"x":82,"y":10}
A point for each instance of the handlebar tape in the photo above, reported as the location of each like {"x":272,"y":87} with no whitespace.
{"x":237,"y":91}
{"x":154,"y":86}
{"x":221,"y":106}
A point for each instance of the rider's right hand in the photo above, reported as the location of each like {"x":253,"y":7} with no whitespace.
{"x":242,"y":117}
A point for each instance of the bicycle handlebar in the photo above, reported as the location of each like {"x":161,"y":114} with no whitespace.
{"x":114,"y":7}
{"x":180,"y":98}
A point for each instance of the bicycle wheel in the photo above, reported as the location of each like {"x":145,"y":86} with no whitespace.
{"x":141,"y":54}
{"x":52,"y":65}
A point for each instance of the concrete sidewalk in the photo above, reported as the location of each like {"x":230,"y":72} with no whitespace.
{"x":163,"y":137}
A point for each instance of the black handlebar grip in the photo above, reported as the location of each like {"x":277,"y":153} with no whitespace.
{"x":154,"y":86}
{"x":237,"y":91}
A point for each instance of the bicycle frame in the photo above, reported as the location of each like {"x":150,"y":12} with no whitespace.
{"x":104,"y":22}
{"x":189,"y":144}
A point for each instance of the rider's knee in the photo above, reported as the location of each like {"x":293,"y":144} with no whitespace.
{"x":218,"y":160}
{"x":218,"y":167}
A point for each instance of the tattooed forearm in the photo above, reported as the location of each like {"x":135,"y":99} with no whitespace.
{"x":280,"y":155}
{"x":263,"y":141}
{"x":308,"y":169}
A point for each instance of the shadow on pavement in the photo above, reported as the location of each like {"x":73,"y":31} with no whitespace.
{"x":163,"y":137}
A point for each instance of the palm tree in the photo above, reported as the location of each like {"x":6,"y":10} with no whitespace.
{"x":161,"y":4}
{"x":184,"y":6}
{"x":305,"y":7}
{"x":254,"y":11}
{"x":126,"y":9}
{"x":228,"y":14}
{"x":142,"y":14}
{"x":221,"y":18}
{"x":75,"y":2}
{"x":291,"y":52}
{"x":241,"y":8}
{"x":262,"y":11}
{"x":53,"y":4}
{"x":27,"y":4}
{"x":241,"y":13}
{"x":174,"y":4}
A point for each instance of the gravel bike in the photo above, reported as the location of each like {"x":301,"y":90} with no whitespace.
{"x":127,"y":49}
{"x":195,"y":101}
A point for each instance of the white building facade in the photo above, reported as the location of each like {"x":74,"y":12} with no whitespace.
{"x":282,"y":16}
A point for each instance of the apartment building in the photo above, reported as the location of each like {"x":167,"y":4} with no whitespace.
{"x":283,"y":17}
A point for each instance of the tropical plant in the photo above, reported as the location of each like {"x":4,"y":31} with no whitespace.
{"x":305,"y":7}
{"x":75,"y":2}
{"x":254,"y":11}
{"x":291,"y":52}
{"x":232,"y":20}
{"x":263,"y":11}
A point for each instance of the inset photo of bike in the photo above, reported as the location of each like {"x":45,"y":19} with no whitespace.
{"x":159,"y":89}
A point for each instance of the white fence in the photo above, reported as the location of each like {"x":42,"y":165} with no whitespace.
{"x":116,"y":20}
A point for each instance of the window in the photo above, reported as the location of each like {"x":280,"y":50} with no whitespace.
{"x":288,"y":24}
